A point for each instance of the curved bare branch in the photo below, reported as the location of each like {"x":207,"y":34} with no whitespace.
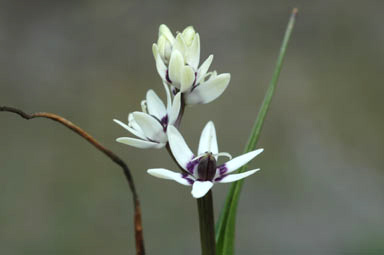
{"x":137,"y":217}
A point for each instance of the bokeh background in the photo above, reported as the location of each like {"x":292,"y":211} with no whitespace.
{"x":321,"y":187}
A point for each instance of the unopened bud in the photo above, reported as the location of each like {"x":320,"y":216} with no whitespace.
{"x":164,"y":30}
{"x":188,"y":35}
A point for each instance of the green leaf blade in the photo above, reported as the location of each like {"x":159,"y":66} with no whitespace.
{"x":225,"y":227}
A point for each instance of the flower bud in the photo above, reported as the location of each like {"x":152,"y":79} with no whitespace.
{"x":164,"y":48}
{"x":207,"y":168}
{"x":188,"y":35}
{"x":164,"y":31}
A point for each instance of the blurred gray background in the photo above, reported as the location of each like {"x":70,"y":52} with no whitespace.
{"x":321,"y":187}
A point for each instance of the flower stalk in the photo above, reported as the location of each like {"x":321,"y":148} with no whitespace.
{"x":181,"y":112}
{"x":207,"y":224}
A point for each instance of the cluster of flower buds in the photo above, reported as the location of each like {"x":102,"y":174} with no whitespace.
{"x":185,"y":83}
{"x":177,"y":62}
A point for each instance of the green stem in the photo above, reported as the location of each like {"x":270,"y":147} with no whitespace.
{"x":207,"y":224}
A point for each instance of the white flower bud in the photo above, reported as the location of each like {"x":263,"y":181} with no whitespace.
{"x":164,"y":31}
{"x":188,"y":35}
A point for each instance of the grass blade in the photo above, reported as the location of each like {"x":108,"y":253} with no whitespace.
{"x":225,"y":227}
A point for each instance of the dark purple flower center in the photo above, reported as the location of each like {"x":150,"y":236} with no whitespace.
{"x":207,"y":168}
{"x":164,"y":122}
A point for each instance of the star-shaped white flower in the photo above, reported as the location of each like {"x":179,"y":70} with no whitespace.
{"x":150,"y":125}
{"x":177,"y":62}
{"x":201,"y":171}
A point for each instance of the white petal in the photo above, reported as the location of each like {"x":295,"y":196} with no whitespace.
{"x":180,"y":45}
{"x":155,"y":106}
{"x":208,"y":140}
{"x":203,"y":69}
{"x":138,"y":143}
{"x":133,"y":131}
{"x":236,"y":177}
{"x":144,"y":106}
{"x":209,"y":90}
{"x":239,"y":161}
{"x":150,"y":126}
{"x":175,"y":110}
{"x":132,"y":123}
{"x":164,"y":30}
{"x":161,"y":42}
{"x":179,"y":148}
{"x":193,"y":53}
{"x":187,"y":78}
{"x":176,"y":64}
{"x":168,"y":175}
{"x":199,"y":189}
{"x":188,"y":35}
{"x":161,"y":68}
{"x":155,"y":50}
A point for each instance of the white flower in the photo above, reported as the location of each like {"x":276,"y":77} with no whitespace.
{"x":177,"y":62}
{"x":151,"y":124}
{"x":201,"y":171}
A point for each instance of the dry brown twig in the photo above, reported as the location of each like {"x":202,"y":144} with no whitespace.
{"x":137,"y":217}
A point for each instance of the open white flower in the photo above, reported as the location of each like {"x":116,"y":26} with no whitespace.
{"x":150,"y":125}
{"x":177,"y":62}
{"x":201,"y":171}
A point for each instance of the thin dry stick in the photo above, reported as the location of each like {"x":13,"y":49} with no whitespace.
{"x":137,"y":219}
